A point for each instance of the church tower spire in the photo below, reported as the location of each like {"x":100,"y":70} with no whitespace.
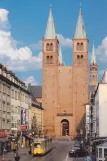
{"x":50,"y":63}
{"x":50,"y":29}
{"x":80,"y":71}
{"x":60,"y":56}
{"x":80,"y":29}
{"x":93,"y":57}
{"x":93,"y":68}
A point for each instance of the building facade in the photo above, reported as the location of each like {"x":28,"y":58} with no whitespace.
{"x":64,"y":88}
{"x":5,"y":102}
{"x":14,"y":102}
{"x":36,"y":110}
{"x":87,"y":121}
{"x":99,"y":110}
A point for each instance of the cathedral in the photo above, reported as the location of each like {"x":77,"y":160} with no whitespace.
{"x":65,"y":88}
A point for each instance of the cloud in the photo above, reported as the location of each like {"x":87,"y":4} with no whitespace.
{"x":101,"y":51}
{"x":4,"y":24}
{"x":18,"y":59}
{"x":31,"y":80}
{"x":101,"y":72}
{"x":65,"y":42}
{"x":36,"y":46}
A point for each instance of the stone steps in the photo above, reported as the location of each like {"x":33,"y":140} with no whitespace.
{"x":63,"y":138}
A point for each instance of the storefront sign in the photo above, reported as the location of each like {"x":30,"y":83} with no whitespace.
{"x":3,"y":134}
{"x":23,"y":117}
{"x":23,"y":127}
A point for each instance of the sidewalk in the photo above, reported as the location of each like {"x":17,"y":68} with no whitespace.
{"x":23,"y":153}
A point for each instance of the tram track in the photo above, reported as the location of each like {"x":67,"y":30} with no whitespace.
{"x":46,"y":156}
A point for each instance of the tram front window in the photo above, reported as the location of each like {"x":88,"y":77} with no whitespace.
{"x":37,"y":145}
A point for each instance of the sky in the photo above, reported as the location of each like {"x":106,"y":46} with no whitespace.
{"x":23,"y":24}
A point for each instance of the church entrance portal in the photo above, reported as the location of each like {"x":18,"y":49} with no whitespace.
{"x":65,"y":127}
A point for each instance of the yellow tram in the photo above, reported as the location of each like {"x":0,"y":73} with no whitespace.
{"x":41,"y":146}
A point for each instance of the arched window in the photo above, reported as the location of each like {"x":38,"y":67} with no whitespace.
{"x":78,"y":57}
{"x":81,"y":56}
{"x":93,"y":77}
{"x":51,"y":59}
{"x":78,"y":46}
{"x":47,"y":47}
{"x":48,"y":60}
{"x":81,"y":47}
{"x":51,"y":47}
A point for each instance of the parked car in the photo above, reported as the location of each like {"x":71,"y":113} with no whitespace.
{"x":77,"y":151}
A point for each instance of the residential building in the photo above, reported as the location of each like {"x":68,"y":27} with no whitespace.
{"x":92,"y":87}
{"x":87,"y":121}
{"x":99,"y":109}
{"x":36,"y":110}
{"x":5,"y":101}
{"x":15,"y":99}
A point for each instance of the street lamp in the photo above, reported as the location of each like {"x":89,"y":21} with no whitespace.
{"x":81,"y":133}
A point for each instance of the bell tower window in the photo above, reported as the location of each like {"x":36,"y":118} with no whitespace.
{"x":48,"y":60}
{"x":81,"y":47}
{"x":47,"y":46}
{"x":78,"y":57}
{"x":51,"y":59}
{"x":81,"y":56}
{"x":51,"y":47}
{"x":78,"y":46}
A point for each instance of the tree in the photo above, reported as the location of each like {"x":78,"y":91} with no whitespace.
{"x":34,"y":126}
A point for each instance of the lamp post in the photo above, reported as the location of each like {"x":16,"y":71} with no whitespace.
{"x":81,"y":134}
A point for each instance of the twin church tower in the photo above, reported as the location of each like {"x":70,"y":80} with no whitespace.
{"x":65,"y":88}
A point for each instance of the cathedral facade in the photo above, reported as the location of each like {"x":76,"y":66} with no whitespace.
{"x":64,"y":88}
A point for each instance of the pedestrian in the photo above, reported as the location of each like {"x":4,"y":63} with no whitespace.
{"x":17,"y":157}
{"x":88,"y":158}
{"x":93,"y":156}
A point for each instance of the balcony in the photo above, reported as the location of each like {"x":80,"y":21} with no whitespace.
{"x":64,"y":114}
